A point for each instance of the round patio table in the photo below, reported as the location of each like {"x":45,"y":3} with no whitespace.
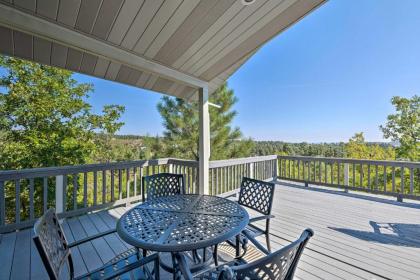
{"x":182,"y":223}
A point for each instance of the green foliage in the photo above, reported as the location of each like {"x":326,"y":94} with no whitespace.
{"x":404,"y":127}
{"x":45,"y":119}
{"x":357,"y":148}
{"x":181,"y":121}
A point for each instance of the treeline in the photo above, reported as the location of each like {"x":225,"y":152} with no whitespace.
{"x":262,"y":148}
{"x":130,"y":147}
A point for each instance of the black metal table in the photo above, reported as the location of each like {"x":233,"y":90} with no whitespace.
{"x":182,"y":223}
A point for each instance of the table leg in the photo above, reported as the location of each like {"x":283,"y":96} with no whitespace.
{"x":176,"y":271}
{"x":238,"y":247}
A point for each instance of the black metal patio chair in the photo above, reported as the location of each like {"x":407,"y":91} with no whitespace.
{"x":258,"y":196}
{"x":279,"y":265}
{"x":162,"y":184}
{"x":56,"y":255}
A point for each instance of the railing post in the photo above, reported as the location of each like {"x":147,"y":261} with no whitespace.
{"x":346,"y":177}
{"x":275,"y":169}
{"x":59,"y":194}
{"x":2,"y":204}
{"x":251,"y":170}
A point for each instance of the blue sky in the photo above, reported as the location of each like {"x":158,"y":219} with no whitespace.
{"x":330,"y":75}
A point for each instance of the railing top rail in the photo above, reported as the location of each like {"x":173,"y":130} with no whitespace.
{"x":413,"y":164}
{"x":71,"y":169}
{"x":236,"y":161}
{"x":184,"y":162}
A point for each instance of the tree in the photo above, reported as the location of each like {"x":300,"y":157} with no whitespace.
{"x":45,"y":119}
{"x":404,"y":127}
{"x":181,"y":121}
{"x":357,"y":148}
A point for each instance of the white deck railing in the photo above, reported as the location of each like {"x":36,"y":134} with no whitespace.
{"x":396,"y":178}
{"x":74,"y":190}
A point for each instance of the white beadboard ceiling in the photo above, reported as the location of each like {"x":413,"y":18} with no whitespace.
{"x":207,"y":40}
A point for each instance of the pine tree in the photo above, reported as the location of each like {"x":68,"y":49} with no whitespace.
{"x":181,"y":121}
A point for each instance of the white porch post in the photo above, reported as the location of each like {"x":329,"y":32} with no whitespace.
{"x":204,"y":142}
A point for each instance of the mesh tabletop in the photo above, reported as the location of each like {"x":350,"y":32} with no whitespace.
{"x":182,"y":223}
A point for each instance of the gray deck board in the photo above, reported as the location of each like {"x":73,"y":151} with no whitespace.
{"x":7,"y":246}
{"x":37,"y":267}
{"x":21,"y":267}
{"x":356,"y":237}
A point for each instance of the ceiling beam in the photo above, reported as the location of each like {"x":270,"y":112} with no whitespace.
{"x":27,"y":23}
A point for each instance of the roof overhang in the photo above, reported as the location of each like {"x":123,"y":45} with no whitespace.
{"x":168,"y":46}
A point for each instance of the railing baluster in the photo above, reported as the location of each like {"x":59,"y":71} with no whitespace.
{"x":135,"y":180}
{"x":309,"y":171}
{"x":338,"y":173}
{"x":376,"y":177}
{"x":2,"y":204}
{"x":385,"y":178}
{"x":95,"y":188}
{"x":402,"y":179}
{"x":332,"y":172}
{"x":361,"y":175}
{"x":393,"y":178}
{"x":31,"y":199}
{"x":85,"y":189}
{"x":112,"y":185}
{"x":353,"y":180}
{"x":45,"y":194}
{"x":75,"y":187}
{"x":319,"y":172}
{"x":17,"y":201}
{"x":119,"y":184}
{"x":411,"y":181}
{"x":188,"y":188}
{"x":141,"y":179}
{"x":103,"y":186}
{"x":64,"y":192}
{"x":368,"y":177}
{"x":127,"y":188}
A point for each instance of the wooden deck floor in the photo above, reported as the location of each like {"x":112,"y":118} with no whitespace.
{"x":356,"y":237}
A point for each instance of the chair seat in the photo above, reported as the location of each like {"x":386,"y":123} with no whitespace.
{"x":226,"y":254}
{"x":124,"y":260}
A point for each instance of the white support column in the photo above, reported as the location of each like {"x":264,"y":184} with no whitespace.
{"x":204,"y":142}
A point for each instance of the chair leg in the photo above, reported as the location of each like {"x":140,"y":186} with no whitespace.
{"x":216,"y":261}
{"x":267,"y":235}
{"x":237,"y":247}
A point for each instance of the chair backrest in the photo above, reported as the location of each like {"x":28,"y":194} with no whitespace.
{"x":257,"y":195}
{"x":162,"y":184}
{"x":52,"y":245}
{"x":279,"y":265}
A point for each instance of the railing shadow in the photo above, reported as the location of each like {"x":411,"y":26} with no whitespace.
{"x":354,"y":195}
{"x":404,"y":235}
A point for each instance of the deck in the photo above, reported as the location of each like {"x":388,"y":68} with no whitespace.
{"x":356,"y":237}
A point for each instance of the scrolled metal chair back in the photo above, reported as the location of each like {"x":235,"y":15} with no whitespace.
{"x":162,"y":184}
{"x":279,"y":265}
{"x":257,"y":195}
{"x":52,"y":245}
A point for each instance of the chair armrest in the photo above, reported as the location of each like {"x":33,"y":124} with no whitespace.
{"x":259,"y":218}
{"x":113,"y":270}
{"x":186,"y":273}
{"x":90,"y":238}
{"x":229,"y":194}
{"x":254,"y":241}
